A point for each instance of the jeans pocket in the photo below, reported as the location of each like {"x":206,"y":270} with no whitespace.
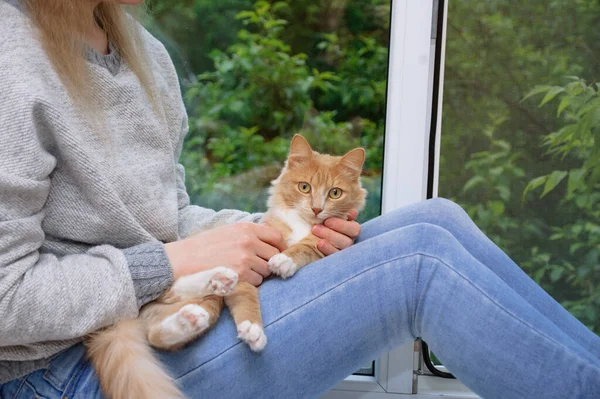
{"x":65,"y":369}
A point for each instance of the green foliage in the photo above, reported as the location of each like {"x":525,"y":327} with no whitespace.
{"x":362,"y":69}
{"x":563,"y":255}
{"x":573,"y":261}
{"x":258,"y":82}
{"x":190,"y":29}
{"x":496,"y":180}
{"x":523,"y":195}
{"x":243,"y":113}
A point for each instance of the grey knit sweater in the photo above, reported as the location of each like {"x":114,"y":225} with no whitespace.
{"x":84,"y":212}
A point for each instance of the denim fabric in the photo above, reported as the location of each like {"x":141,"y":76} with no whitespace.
{"x":422,"y":271}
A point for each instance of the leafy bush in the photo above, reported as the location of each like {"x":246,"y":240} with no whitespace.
{"x":562,"y":256}
{"x":572,"y":257}
{"x":243,"y":113}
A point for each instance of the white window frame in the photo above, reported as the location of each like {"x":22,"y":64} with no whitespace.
{"x":405,"y":175}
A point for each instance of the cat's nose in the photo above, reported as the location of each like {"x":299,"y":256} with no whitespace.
{"x":316,"y":211}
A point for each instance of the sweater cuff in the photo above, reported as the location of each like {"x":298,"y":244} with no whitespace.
{"x":150,"y":270}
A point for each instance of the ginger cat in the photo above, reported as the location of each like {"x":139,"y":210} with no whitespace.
{"x":311,"y":188}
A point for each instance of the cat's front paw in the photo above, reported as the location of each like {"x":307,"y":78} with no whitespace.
{"x":223,"y":282}
{"x":282,"y":266}
{"x":253,"y":335}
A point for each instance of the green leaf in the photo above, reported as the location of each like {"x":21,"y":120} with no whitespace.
{"x":538,"y":275}
{"x":575,"y":176}
{"x":280,"y":5}
{"x":533,"y":184}
{"x":245,"y":15}
{"x":556,"y":274}
{"x":497,"y":207}
{"x":574,"y":247}
{"x":553,"y":92}
{"x":564,"y":103}
{"x":473,"y":182}
{"x":503,"y":192}
{"x":536,"y":90}
{"x":553,"y":179}
{"x":496,"y":171}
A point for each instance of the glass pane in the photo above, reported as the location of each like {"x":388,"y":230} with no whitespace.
{"x":253,"y":73}
{"x":368,"y":369}
{"x":527,"y":170}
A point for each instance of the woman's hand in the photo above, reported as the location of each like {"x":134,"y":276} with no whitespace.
{"x":337,"y":234}
{"x":244,"y":247}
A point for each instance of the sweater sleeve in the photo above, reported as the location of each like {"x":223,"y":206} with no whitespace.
{"x":193,"y":218}
{"x":44,"y":297}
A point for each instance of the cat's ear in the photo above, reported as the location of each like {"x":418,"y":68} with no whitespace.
{"x":351,"y":164}
{"x":300,"y":151}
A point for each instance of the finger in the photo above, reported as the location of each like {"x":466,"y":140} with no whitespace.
{"x":253,"y":278}
{"x":326,"y":248}
{"x":265,"y":251}
{"x":261,"y":267}
{"x":270,"y":236}
{"x":338,"y":240}
{"x":350,"y":229}
{"x":352,"y":215}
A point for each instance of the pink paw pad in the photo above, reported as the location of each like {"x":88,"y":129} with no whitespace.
{"x":223,"y":283}
{"x":189,"y":316}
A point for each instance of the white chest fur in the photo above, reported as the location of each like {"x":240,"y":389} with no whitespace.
{"x":300,"y":228}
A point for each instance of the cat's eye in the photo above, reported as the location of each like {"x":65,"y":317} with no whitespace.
{"x":335,"y":193}
{"x":304,"y":187}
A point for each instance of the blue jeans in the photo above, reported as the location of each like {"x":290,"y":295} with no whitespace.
{"x":422,"y":271}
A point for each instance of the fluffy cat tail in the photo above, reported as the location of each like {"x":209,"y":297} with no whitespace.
{"x":126,"y":366}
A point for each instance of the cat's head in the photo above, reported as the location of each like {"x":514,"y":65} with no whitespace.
{"x":319,"y":186}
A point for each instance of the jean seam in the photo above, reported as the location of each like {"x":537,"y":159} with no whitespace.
{"x":19,"y":388}
{"x":303,"y":305}
{"x":420,"y":299}
{"x":36,"y":393}
{"x":415,"y":285}
{"x":52,"y":379}
{"x":74,"y":380}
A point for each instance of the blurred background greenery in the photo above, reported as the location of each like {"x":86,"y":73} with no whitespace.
{"x":520,"y":147}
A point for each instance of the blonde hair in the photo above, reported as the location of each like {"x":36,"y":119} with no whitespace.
{"x":63,"y":25}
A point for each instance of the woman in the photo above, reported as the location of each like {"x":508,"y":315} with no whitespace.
{"x":95,"y":222}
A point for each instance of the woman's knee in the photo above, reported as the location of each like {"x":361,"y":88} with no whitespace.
{"x":448,"y":215}
{"x":437,"y":211}
{"x":445,"y":207}
{"x":420,"y":238}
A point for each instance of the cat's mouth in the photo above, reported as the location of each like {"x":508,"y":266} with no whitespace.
{"x":315,"y":219}
{"x":321,"y":217}
{"x":310,"y":217}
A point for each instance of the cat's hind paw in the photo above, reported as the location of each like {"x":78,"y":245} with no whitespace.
{"x":189,"y":322}
{"x":253,"y":335}
{"x":282,"y":266}
{"x":223,"y":282}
